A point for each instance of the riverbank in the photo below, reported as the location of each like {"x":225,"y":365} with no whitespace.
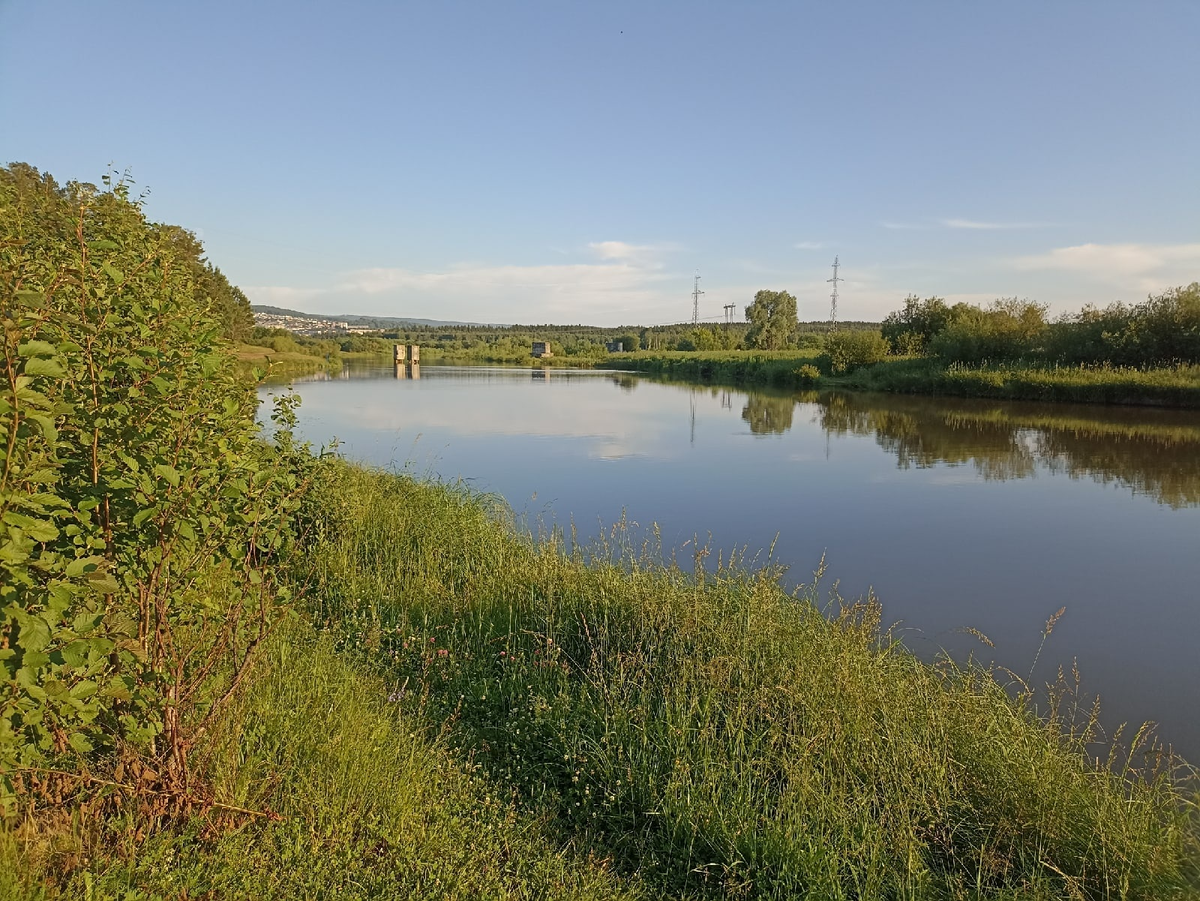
{"x":281,"y":366}
{"x":474,"y":713}
{"x":1167,"y":387}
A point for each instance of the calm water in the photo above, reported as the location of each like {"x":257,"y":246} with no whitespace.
{"x":958,"y":513}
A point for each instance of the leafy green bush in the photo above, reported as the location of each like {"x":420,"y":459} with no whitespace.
{"x":807,"y":375}
{"x":845,"y":351}
{"x":1008,"y":329}
{"x":137,"y":504}
{"x":910,"y":329}
{"x":1164,"y":330}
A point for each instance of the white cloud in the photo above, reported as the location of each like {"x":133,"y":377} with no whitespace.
{"x":974,"y":224}
{"x":649,"y":255}
{"x":627,"y":284}
{"x":1141,"y":267}
{"x":809,"y":245}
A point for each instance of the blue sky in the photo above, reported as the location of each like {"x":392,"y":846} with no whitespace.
{"x":579,"y":162}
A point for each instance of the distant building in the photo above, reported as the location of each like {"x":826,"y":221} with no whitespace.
{"x":542,"y":349}
{"x":614,"y":347}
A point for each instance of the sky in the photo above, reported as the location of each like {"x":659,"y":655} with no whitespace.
{"x":580,"y":162}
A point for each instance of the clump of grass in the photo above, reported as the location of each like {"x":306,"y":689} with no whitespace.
{"x":717,"y":734}
{"x":364,"y":801}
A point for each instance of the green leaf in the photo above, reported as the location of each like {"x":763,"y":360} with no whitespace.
{"x":40,"y":366}
{"x":34,"y":633}
{"x":75,"y":653}
{"x":103,"y":583}
{"x":36,"y":349}
{"x":168,"y":472}
{"x":37,"y":529}
{"x":82,"y":566}
{"x":84,"y":689}
{"x":112,"y":271}
{"x":79,"y":742}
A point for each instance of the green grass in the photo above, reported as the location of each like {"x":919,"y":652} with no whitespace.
{"x":1177,"y":386}
{"x":277,"y":365}
{"x":725,"y":737}
{"x":370,"y":805}
{"x":480,"y":715}
{"x":760,"y":367}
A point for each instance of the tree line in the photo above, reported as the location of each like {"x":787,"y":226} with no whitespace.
{"x":1163,"y":330}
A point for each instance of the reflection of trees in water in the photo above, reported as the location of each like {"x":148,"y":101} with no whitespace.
{"x":625,"y":382}
{"x":769,"y":415}
{"x":1167,"y":470}
{"x":1155,"y":453}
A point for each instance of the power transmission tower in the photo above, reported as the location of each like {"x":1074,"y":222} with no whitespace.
{"x":834,"y":296}
{"x":729,"y":308}
{"x":696,"y":292}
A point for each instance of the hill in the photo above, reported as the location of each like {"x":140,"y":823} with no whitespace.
{"x":374,"y":322}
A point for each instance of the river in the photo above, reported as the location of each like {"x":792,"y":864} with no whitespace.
{"x":958,"y":514}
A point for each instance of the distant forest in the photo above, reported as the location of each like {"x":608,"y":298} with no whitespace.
{"x":500,"y":343}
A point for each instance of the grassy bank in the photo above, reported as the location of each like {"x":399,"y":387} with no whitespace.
{"x":1177,"y":386}
{"x":282,"y":364}
{"x":721,"y":736}
{"x":479,"y":716}
{"x":360,"y":799}
{"x":779,"y":368}
{"x":277,"y":366}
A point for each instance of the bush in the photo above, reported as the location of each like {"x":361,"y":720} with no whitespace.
{"x":807,"y":375}
{"x":845,"y":351}
{"x":910,"y":330}
{"x":137,"y":504}
{"x":1009,"y":329}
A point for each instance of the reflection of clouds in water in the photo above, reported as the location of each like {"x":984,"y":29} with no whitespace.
{"x":617,"y":424}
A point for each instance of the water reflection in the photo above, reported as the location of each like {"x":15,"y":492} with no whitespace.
{"x":408,"y":370}
{"x":768,"y":415}
{"x":1154,"y":453}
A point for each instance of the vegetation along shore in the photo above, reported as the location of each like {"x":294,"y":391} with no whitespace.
{"x":234,"y":668}
{"x":1144,"y":354}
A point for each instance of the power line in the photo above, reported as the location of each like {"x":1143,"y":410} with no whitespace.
{"x":833,"y":298}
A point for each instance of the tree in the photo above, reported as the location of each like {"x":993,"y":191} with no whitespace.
{"x":772,"y":318}
{"x":910,"y":330}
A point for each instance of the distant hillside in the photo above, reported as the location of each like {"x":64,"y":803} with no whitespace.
{"x":373,"y":322}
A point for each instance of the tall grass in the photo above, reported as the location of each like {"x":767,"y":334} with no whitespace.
{"x":720,"y":736}
{"x":364,"y":801}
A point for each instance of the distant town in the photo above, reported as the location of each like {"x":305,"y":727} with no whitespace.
{"x":307,"y":326}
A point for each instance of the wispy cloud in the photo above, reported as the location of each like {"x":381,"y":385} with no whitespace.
{"x":637,"y":254}
{"x":971,"y":224}
{"x":989,"y":226}
{"x":1144,"y":267}
{"x":809,"y":245}
{"x":627,"y":282}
